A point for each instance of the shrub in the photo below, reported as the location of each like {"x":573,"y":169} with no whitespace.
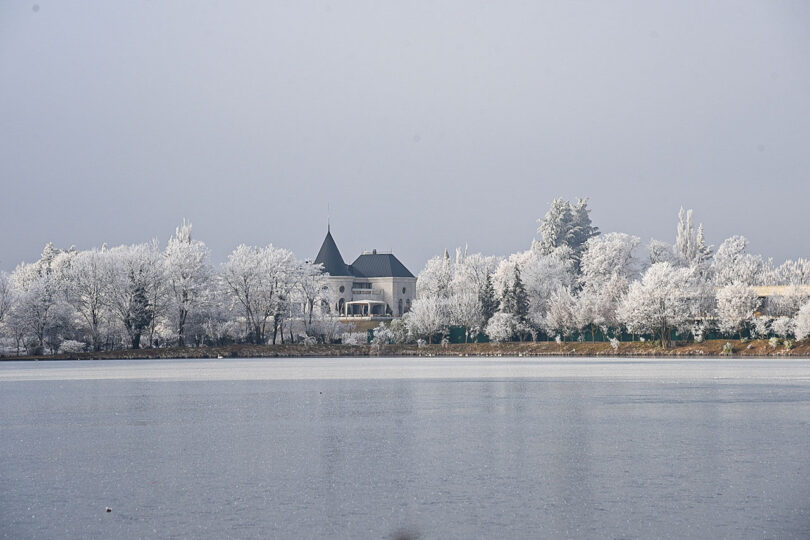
{"x":71,"y":346}
{"x":774,"y":342}
{"x":354,"y":338}
{"x":728,"y":348}
{"x":614,"y":343}
{"x":788,"y":344}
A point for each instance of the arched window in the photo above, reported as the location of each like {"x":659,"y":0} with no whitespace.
{"x":341,"y":305}
{"x":399,"y":307}
{"x":407,"y":305}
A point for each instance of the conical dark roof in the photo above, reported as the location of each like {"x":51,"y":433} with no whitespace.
{"x":329,"y":256}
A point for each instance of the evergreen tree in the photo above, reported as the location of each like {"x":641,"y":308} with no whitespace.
{"x":521,"y":299}
{"x":508,"y":301}
{"x":488,"y":303}
{"x":567,"y":224}
{"x":140,"y":315}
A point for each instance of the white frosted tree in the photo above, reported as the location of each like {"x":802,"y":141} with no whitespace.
{"x":85,"y":284}
{"x":5,"y":296}
{"x":660,"y":303}
{"x":188,"y":276}
{"x":435,"y":278}
{"x":311,"y":293}
{"x":788,"y":303}
{"x":429,"y":315}
{"x":782,"y":326}
{"x":802,"y":322}
{"x":541,"y":276}
{"x":690,"y":242}
{"x":566,"y":224}
{"x":792,"y":273}
{"x":133,"y":284}
{"x":502,"y":327}
{"x":661,"y":252}
{"x":608,"y":255}
{"x":465,"y":310}
{"x":736,"y":304}
{"x":597,"y":305}
{"x":259,"y":280}
{"x":561,"y":317}
{"x":39,"y":312}
{"x":733,"y":264}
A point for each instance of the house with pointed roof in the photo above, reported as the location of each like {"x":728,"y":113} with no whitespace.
{"x":374,"y":285}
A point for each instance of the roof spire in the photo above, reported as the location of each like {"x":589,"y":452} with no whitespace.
{"x":328,"y":211}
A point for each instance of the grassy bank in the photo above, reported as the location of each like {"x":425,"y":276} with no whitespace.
{"x":629,"y":349}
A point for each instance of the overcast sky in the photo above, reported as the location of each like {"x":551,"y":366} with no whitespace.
{"x":423,"y":125}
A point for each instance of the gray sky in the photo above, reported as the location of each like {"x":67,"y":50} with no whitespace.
{"x":425,"y":125}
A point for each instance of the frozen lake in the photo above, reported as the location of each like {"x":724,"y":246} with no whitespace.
{"x":440,"y":448}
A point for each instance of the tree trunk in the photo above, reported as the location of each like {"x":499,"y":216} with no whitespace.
{"x":181,"y":328}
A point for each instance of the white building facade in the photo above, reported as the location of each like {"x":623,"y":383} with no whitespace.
{"x":375,"y":285}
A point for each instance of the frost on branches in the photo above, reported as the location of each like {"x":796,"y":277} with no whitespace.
{"x":570,"y":282}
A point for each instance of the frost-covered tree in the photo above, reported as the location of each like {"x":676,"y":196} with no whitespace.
{"x":661,"y":252}
{"x":312,"y":293}
{"x":489,"y":305}
{"x":541,"y":276}
{"x":690,"y":242}
{"x":736,"y":304}
{"x":733,"y":264}
{"x":597,"y":305}
{"x":608,"y":255}
{"x":788,"y":303}
{"x":561,"y":318}
{"x":133,"y":282}
{"x":39,"y":312}
{"x":792,"y":273}
{"x":469,"y":288}
{"x":469,"y":272}
{"x":502,"y":327}
{"x":462,"y":284}
{"x":259,"y":280}
{"x":660,"y":303}
{"x":85,"y":285}
{"x":782,"y":327}
{"x":514,"y":299}
{"x":566,"y":224}
{"x":465,"y":310}
{"x":5,"y":295}
{"x":802,"y":322}
{"x":429,"y":315}
{"x":395,"y":332}
{"x":434,"y":280}
{"x":188,"y":276}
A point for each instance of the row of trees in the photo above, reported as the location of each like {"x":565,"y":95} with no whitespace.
{"x":571,"y":282}
{"x":135,"y":295}
{"x":576,"y":281}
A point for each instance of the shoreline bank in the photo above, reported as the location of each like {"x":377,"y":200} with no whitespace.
{"x":712,"y":348}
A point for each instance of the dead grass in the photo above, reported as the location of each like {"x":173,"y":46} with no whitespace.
{"x":756,"y":348}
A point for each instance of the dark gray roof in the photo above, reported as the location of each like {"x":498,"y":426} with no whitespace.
{"x":379,"y":265}
{"x":329,"y":256}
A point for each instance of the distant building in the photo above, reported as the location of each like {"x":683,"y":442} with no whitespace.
{"x":374,"y":285}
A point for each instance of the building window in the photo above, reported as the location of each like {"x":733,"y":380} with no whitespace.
{"x":403,"y":290}
{"x":407,"y":305}
{"x":342,"y":288}
{"x":358,"y":285}
{"x":399,"y":307}
{"x":341,"y":305}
